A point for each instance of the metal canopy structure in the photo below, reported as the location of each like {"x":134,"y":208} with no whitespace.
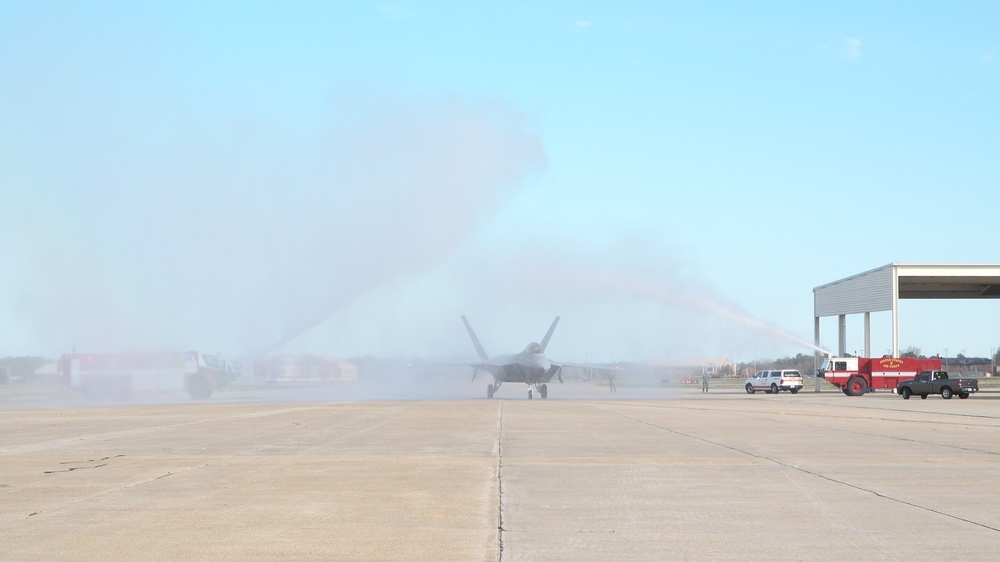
{"x":881,"y":289}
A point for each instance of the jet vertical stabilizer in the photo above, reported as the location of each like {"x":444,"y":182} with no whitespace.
{"x":548,"y":335}
{"x":475,"y":341}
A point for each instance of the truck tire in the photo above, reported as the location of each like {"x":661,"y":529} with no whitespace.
{"x":199,"y":388}
{"x":121,"y":392}
{"x":856,"y":386}
{"x":750,"y":389}
{"x":945,"y":393}
{"x":774,"y":388}
{"x":95,"y":392}
{"x":963,"y":395}
{"x":923,"y":397}
{"x":905,"y":393}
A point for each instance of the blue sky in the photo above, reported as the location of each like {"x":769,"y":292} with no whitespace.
{"x":350,"y":177}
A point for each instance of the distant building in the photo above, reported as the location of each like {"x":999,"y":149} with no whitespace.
{"x":679,"y":368}
{"x":968,"y":366}
{"x":301,"y":368}
{"x":48,"y":372}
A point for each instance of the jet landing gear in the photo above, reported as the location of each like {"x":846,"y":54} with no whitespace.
{"x":543,"y":391}
{"x":491,"y":389}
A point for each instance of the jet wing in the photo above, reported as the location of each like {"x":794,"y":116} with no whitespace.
{"x":477,"y":366}
{"x":557,"y":367}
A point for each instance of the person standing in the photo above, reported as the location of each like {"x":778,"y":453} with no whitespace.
{"x":704,"y":382}
{"x":611,"y":381}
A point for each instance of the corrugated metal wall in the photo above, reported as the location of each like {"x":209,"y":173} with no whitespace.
{"x":870,"y":291}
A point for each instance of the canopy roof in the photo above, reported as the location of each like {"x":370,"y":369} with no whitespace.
{"x":881,"y":289}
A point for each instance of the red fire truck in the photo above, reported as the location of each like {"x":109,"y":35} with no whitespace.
{"x":855,"y":375}
{"x":116,"y":376}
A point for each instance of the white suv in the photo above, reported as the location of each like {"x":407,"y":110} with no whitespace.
{"x":772,"y":382}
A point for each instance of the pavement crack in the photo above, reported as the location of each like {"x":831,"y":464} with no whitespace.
{"x":500,"y":529}
{"x":72,"y":468}
{"x":178,"y":472}
{"x":806,"y":471}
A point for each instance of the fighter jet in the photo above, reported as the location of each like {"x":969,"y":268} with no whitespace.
{"x":529,"y":366}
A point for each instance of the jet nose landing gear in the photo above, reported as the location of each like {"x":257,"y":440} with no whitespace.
{"x":543,"y":392}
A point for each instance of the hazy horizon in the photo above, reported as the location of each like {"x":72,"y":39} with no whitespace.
{"x":349,"y":179}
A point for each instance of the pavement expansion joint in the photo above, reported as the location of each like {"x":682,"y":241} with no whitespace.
{"x":807,"y":471}
{"x":500,"y":529}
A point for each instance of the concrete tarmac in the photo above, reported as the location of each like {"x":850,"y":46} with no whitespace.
{"x":584,"y":475}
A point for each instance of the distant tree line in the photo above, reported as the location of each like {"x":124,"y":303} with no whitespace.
{"x":20,"y":367}
{"x":916,"y":353}
{"x":804,"y":363}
